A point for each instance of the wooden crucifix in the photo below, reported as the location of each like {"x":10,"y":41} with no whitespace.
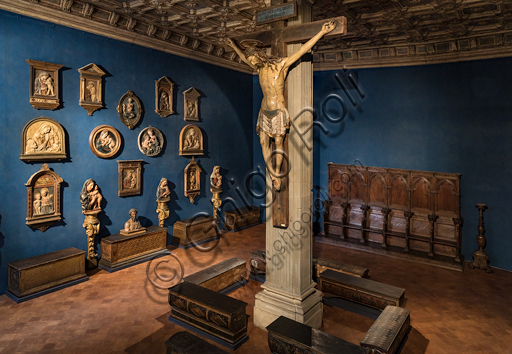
{"x":273,"y":118}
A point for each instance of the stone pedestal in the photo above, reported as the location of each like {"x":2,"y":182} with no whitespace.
{"x":289,"y":290}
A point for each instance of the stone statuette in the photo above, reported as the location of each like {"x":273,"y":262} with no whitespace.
{"x":164,"y":97}
{"x":90,"y":200}
{"x":44,"y":84}
{"x":163,"y":196}
{"x":132,"y":226}
{"x":91,"y":88}
{"x":43,"y":199}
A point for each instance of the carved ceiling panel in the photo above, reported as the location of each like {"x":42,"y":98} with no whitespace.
{"x":380,"y":32}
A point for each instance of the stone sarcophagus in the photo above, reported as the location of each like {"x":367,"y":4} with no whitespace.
{"x":45,"y":273}
{"x":242,"y":217}
{"x":219,"y":315}
{"x":220,"y":275}
{"x":287,"y":336}
{"x":363,"y":291}
{"x":389,"y":331}
{"x":193,"y":231}
{"x":119,"y":251}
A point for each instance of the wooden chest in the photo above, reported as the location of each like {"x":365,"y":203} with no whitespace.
{"x":194,"y":231}
{"x":322,"y":264}
{"x":119,"y":251}
{"x":187,"y":343}
{"x":242,"y":217}
{"x":288,"y":336}
{"x":219,"y":315}
{"x":220,"y":275}
{"x":45,"y":272}
{"x":388,"y":332}
{"x":364,"y":291}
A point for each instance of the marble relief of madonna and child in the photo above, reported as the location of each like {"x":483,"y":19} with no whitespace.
{"x":43,"y":139}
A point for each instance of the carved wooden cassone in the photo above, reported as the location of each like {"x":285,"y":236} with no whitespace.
{"x":39,"y":273}
{"x":119,"y":250}
{"x":287,"y":336}
{"x":398,"y":210}
{"x":364,"y":291}
{"x":209,"y":311}
{"x":221,"y":275}
{"x":194,"y":230}
{"x":242,"y":217}
{"x":388,"y":332}
{"x":187,"y":343}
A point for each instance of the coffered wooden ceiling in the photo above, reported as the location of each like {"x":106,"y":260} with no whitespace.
{"x":380,"y":32}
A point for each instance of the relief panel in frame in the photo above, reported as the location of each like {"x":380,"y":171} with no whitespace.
{"x":43,"y":139}
{"x":104,"y":141}
{"x":191,"y":140}
{"x":91,"y":88}
{"x":150,"y":141}
{"x":164,"y":97}
{"x":192,"y":180}
{"x":44,"y":84}
{"x":129,"y":109}
{"x":191,"y":105}
{"x":130,"y":177}
{"x":43,"y":199}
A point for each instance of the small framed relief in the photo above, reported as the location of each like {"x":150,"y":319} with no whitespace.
{"x":129,"y":109}
{"x":130,"y":177}
{"x":192,"y":176}
{"x":104,"y":141}
{"x":43,"y":139}
{"x":164,"y":97}
{"x":91,"y":87}
{"x":151,"y":141}
{"x":191,"y":102}
{"x":44,"y":84}
{"x":191,"y":141}
{"x":43,"y":199}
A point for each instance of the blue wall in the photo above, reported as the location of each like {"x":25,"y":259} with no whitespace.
{"x":226,"y":112}
{"x":447,"y":118}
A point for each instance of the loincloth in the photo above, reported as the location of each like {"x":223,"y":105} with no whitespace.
{"x":273,"y":123}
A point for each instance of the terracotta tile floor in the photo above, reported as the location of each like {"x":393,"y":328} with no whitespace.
{"x":451,"y":312}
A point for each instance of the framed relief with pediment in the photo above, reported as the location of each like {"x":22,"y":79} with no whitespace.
{"x":164,"y":97}
{"x":192,"y":175}
{"x":129,"y":109}
{"x":43,"y":139}
{"x":191,"y":141}
{"x":43,"y":199}
{"x":44,"y":84}
{"x":91,"y":87}
{"x":191,"y":105}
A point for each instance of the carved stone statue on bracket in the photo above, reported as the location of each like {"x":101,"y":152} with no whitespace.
{"x":216,"y":189}
{"x":164,"y":97}
{"x":91,"y":90}
{"x":163,"y":196}
{"x":43,"y":199}
{"x":90,"y":200}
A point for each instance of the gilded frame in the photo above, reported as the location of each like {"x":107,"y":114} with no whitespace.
{"x":43,"y":139}
{"x":130,"y":177}
{"x":129,"y":109}
{"x":104,"y":141}
{"x":43,"y":210}
{"x":44,"y":84}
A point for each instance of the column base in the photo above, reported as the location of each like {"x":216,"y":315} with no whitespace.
{"x":270,"y":304}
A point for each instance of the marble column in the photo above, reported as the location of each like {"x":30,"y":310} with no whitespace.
{"x":289,"y":289}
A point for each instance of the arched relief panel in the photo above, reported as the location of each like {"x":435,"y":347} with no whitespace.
{"x":377,"y":190}
{"x":338,"y":183}
{"x":399,"y":192}
{"x":447,"y":197}
{"x":421,"y":197}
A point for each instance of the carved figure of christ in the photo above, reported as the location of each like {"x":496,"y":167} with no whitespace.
{"x":273,"y":118}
